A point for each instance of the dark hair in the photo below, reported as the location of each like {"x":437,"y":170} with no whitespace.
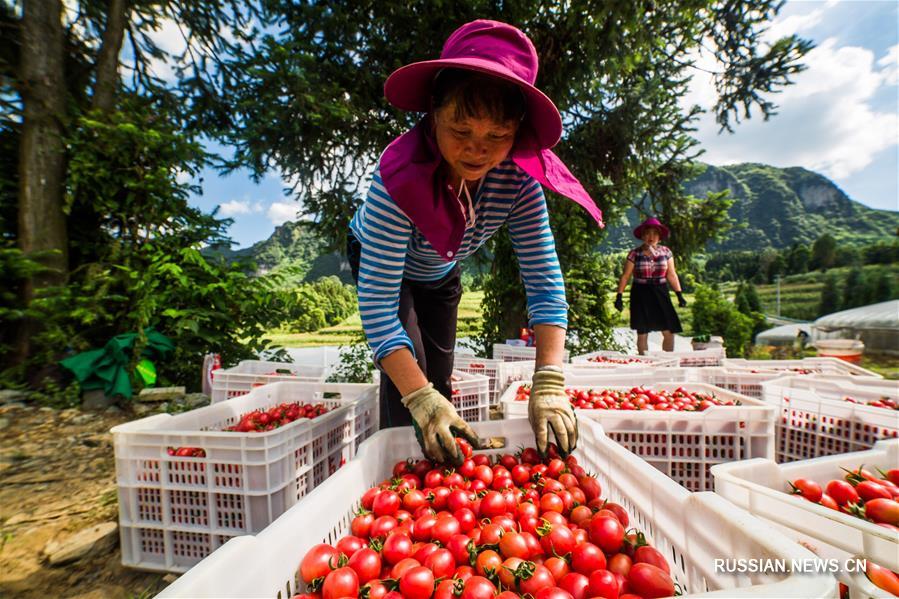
{"x":478,"y":95}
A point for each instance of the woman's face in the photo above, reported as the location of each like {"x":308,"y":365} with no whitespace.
{"x":472,"y":146}
{"x":651,"y":236}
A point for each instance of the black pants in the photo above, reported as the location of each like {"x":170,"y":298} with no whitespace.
{"x":428,"y":312}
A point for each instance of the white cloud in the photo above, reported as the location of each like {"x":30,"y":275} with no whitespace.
{"x":889,"y":64}
{"x":825,"y":121}
{"x":235,"y":207}
{"x":794,"y":24}
{"x":281,"y":212}
{"x":168,"y":37}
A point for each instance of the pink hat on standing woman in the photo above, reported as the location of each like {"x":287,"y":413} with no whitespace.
{"x":409,"y":164}
{"x":654,"y":223}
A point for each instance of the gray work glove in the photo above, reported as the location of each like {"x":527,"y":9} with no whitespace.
{"x":437,"y":424}
{"x":550,"y":408}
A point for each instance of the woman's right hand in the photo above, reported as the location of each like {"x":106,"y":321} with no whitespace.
{"x":437,"y":424}
{"x":619,"y":303}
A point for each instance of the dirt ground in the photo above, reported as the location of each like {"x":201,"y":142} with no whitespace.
{"x":58,"y":477}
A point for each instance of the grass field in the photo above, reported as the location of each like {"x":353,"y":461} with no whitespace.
{"x":800,"y":295}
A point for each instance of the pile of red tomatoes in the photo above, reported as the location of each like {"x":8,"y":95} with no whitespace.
{"x":519,"y":526}
{"x":863,"y":494}
{"x":609,"y":360}
{"x":638,"y":398}
{"x":259,"y":421}
{"x":883,"y":402}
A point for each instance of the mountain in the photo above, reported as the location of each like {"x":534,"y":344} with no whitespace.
{"x":293,"y":244}
{"x":776,"y":207}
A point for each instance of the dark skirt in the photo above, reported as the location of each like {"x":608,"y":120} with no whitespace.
{"x":652,"y":310}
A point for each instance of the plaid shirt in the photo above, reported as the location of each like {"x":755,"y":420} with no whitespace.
{"x":650,"y":269}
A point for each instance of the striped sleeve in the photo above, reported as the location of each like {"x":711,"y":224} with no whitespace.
{"x":535,"y":248}
{"x":383,"y":231}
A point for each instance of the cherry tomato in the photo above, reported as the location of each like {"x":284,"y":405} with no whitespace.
{"x":417,"y":583}
{"x":607,"y":533}
{"x":586,"y":558}
{"x":318,"y":562}
{"x":650,"y":581}
{"x":340,"y":583}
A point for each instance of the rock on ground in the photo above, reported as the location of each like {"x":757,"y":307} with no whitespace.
{"x":86,"y":542}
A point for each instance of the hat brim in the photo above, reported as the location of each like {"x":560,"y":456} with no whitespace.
{"x":663,"y":230}
{"x":409,"y":88}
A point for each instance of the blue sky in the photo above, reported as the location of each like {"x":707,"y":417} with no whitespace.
{"x":841,"y":118}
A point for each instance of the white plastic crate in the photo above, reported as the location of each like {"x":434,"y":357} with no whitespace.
{"x":745,"y":382}
{"x":692,"y":359}
{"x":471,"y":396}
{"x":622,"y":360}
{"x":499,"y":374}
{"x":760,"y":486}
{"x":814,"y":421}
{"x":683,"y":445}
{"x":690,"y":529}
{"x":173,"y":511}
{"x":515,"y":353}
{"x":805,"y":366}
{"x":228,"y":383}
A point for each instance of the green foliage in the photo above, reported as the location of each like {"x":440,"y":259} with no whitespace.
{"x":824,"y":252}
{"x":138,"y":260}
{"x":714,"y":315}
{"x":853,"y":289}
{"x":879,"y":287}
{"x":355,"y":364}
{"x":881,"y":253}
{"x":830,"y":297}
{"x":798,"y":258}
{"x":312,"y":306}
{"x":747,"y":298}
{"x":847,"y":255}
{"x":763,"y":266}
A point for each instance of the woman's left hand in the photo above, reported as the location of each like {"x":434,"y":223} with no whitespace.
{"x":550,"y":408}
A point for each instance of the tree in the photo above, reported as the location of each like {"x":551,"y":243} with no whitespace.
{"x":848,"y":255}
{"x":798,"y":259}
{"x":882,"y":253}
{"x":824,"y":252}
{"x":41,"y":220}
{"x":56,"y":66}
{"x":617,"y":71}
{"x":830,"y":297}
{"x":879,"y":287}
{"x":747,"y":298}
{"x":714,"y":315}
{"x":853,"y":289}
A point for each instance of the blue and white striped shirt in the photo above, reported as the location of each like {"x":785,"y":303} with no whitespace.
{"x":393,"y":248}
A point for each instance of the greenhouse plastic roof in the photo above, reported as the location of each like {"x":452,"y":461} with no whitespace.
{"x":882,"y":316}
{"x":786,"y":332}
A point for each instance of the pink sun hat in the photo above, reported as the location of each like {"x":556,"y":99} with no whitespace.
{"x":488,"y":47}
{"x":655,"y":224}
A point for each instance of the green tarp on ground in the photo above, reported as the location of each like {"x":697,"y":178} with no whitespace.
{"x":106,"y":368}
